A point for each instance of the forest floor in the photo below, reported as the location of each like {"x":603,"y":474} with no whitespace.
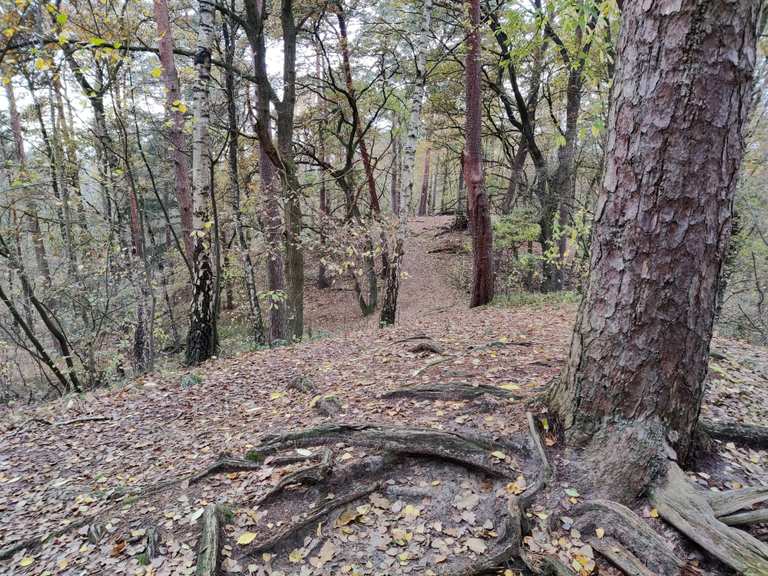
{"x":414,"y":515}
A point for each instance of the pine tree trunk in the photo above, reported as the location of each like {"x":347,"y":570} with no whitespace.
{"x":176,"y":131}
{"x":482,"y":240}
{"x":640,"y":347}
{"x":201,"y":338}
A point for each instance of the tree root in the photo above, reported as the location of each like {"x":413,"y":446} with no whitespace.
{"x":478,"y":453}
{"x":306,"y":476}
{"x":746,"y":518}
{"x":545,"y":470}
{"x":620,"y":557}
{"x":451,"y":391}
{"x":747,"y":434}
{"x":427,"y":346}
{"x":631,"y":533}
{"x":209,"y":545}
{"x":545,"y":565}
{"x":432,"y":363}
{"x":224,"y":464}
{"x":313,"y":516}
{"x":730,"y":501}
{"x":689,"y":510}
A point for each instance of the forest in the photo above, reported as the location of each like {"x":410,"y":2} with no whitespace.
{"x":430,"y":287}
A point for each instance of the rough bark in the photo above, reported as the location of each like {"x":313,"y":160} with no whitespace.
{"x":176,"y":130}
{"x":663,"y":219}
{"x":480,"y":222}
{"x":201,"y":338}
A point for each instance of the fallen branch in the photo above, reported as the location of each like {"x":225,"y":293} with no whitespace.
{"x":432,"y":363}
{"x":312,"y":517}
{"x":474,"y":452}
{"x":747,"y":434}
{"x":209,"y":545}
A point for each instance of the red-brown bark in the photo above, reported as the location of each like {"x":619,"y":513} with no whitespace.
{"x":663,"y":219}
{"x":480,"y":221}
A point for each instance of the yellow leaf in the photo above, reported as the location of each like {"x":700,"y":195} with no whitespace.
{"x":517,"y":487}
{"x":296,"y":556}
{"x":499,"y":455}
{"x":545,"y":424}
{"x":410,"y":511}
{"x":653,"y":513}
{"x":275,"y":395}
{"x":41,"y":64}
{"x":246,"y":538}
{"x":600,"y":532}
{"x":156,"y":72}
{"x":510,"y":386}
{"x":26,"y":561}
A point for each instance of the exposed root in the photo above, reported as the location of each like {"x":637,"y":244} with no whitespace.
{"x":730,"y":501}
{"x":306,"y":476}
{"x":478,"y":453}
{"x":545,"y":565}
{"x":451,"y":391}
{"x":746,"y":518}
{"x":224,"y":464}
{"x":620,"y":557}
{"x":688,"y":509}
{"x":630,"y":531}
{"x":545,"y":470}
{"x":209,"y":545}
{"x":36,"y":541}
{"x":432,"y":363}
{"x":313,"y":516}
{"x":748,"y":434}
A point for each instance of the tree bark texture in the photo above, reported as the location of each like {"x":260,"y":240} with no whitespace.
{"x":663,"y":219}
{"x":424,"y":197}
{"x":201,"y":339}
{"x":480,"y":223}
{"x":176,"y":131}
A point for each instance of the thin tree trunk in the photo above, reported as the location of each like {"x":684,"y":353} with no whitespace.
{"x":482,"y":240}
{"x":201,"y":339}
{"x":38,"y":245}
{"x":256,"y":318}
{"x":423,"y":198}
{"x":176,"y":130}
{"x":639,"y":352}
{"x":389,"y":306}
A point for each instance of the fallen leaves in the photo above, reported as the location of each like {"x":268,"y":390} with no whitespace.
{"x":246,"y":538}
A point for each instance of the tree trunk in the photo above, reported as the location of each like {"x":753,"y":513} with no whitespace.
{"x":482,"y":239}
{"x":638,"y":356}
{"x":424,"y":197}
{"x":394,"y":270}
{"x":201,"y":338}
{"x":254,"y":309}
{"x":176,"y":131}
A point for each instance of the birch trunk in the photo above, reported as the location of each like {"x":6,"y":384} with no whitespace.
{"x":201,"y":339}
{"x":389,"y":306}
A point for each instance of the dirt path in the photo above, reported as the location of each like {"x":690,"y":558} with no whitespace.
{"x":429,"y":286}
